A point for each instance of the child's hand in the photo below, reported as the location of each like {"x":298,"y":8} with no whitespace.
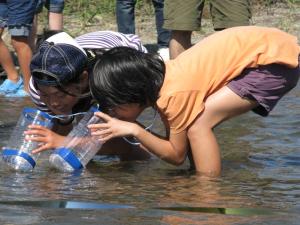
{"x":111,"y":128}
{"x":47,"y":139}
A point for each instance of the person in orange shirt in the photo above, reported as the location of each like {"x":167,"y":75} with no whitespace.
{"x":224,"y":75}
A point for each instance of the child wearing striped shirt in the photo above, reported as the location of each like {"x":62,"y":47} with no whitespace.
{"x":59,"y":84}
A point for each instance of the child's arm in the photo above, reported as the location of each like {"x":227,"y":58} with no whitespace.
{"x":46,"y":137}
{"x":172,"y":150}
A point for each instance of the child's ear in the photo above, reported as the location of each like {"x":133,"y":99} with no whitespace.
{"x":84,"y":79}
{"x":84,"y":76}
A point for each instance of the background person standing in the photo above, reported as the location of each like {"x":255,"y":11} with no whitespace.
{"x":184,"y":17}
{"x":126,"y":23}
{"x":17,"y":16}
{"x":55,"y":19}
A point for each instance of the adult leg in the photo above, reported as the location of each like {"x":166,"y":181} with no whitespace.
{"x":24,"y":53}
{"x":11,"y":83}
{"x":180,"y":41}
{"x":125,"y":16}
{"x":163,"y":35}
{"x":182,"y":17}
{"x":55,"y":14}
{"x":220,"y":106}
{"x":55,"y":21}
{"x":7,"y":61}
{"x":33,"y":33}
{"x":20,"y":19}
{"x":230,"y":13}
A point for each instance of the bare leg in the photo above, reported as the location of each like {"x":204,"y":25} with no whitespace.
{"x":180,"y":41}
{"x":55,"y":21}
{"x":220,"y":106}
{"x":7,"y":61}
{"x":24,"y":53}
{"x":33,"y":33}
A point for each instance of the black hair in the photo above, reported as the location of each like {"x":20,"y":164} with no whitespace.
{"x":42,"y":78}
{"x":59,"y":85}
{"x":124,"y":75}
{"x":93,"y":55}
{"x":85,"y":99}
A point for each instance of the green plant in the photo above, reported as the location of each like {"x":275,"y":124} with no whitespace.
{"x":86,"y":13}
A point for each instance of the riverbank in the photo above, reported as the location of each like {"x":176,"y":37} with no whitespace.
{"x":285,"y":16}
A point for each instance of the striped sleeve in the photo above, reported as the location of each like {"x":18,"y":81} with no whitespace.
{"x":109,"y":39}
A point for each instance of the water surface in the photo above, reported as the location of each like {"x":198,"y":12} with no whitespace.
{"x":260,"y":183}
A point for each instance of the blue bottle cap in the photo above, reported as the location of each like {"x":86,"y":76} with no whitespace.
{"x":68,"y":155}
{"x":24,"y":155}
{"x":27,"y":111}
{"x":94,"y":109}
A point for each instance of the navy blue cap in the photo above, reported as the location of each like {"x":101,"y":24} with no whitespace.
{"x":60,"y":57}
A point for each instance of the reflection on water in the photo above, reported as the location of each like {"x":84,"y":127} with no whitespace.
{"x":261,"y":175}
{"x":227,"y":211}
{"x":57,"y":204}
{"x":66,"y":204}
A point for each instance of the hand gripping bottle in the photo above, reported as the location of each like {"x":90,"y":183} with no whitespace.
{"x":79,"y":146}
{"x":17,"y":154}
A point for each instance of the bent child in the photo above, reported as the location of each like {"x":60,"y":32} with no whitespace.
{"x":226,"y":74}
{"x":59,"y":86}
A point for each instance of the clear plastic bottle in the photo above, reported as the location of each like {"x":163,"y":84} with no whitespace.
{"x":79,"y":146}
{"x":17,"y":154}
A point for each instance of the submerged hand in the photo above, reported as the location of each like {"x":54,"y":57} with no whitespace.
{"x":111,"y":128}
{"x":47,"y":138}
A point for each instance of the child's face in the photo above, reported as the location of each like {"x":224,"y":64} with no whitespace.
{"x":127,"y":112}
{"x":57,"y":101}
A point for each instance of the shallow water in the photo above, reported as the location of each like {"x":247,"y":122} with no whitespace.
{"x":260,"y":183}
